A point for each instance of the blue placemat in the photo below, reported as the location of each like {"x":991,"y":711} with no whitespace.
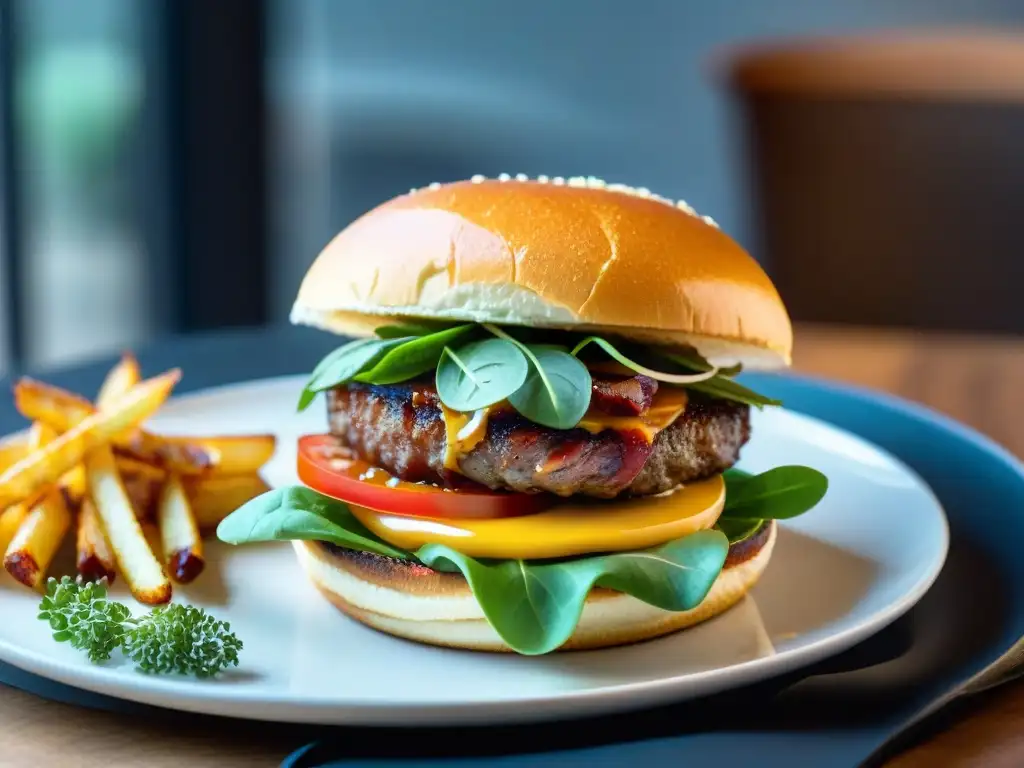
{"x":842,"y":712}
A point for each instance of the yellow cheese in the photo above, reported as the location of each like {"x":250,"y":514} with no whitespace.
{"x":574,"y":527}
{"x":463,"y":431}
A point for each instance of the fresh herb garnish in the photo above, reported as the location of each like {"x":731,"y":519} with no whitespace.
{"x":175,"y":638}
{"x":414,"y":357}
{"x":617,"y":356}
{"x":480,"y":373}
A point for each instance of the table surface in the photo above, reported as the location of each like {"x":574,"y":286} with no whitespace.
{"x":976,"y":380}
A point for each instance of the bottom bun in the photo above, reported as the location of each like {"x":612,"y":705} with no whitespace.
{"x":411,"y":601}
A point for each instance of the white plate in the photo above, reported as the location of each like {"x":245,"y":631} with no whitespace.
{"x":839,"y":573}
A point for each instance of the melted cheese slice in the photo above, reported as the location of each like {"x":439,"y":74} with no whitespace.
{"x":463,"y":431}
{"x":575,"y":527}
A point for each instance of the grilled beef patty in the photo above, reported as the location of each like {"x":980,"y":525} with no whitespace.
{"x":401,"y":429}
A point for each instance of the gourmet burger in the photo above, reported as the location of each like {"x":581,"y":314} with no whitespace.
{"x":533,"y":424}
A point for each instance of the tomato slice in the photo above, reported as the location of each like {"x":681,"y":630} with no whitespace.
{"x":329,"y":468}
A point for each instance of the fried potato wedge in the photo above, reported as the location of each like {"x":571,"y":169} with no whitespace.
{"x":37,"y":540}
{"x":33,"y":474}
{"x":135,"y":559}
{"x":179,"y":534}
{"x":94,"y":556}
{"x":214,"y":498}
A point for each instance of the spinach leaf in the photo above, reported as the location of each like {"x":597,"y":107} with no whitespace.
{"x":415,"y":356}
{"x":671,"y":378}
{"x":297,"y":512}
{"x":479,"y":374}
{"x":344,"y":363}
{"x":727,"y":389}
{"x":419,"y":328}
{"x":690,"y":358}
{"x":535,"y":607}
{"x":556,"y":393}
{"x":778,"y":494}
{"x":737,"y":529}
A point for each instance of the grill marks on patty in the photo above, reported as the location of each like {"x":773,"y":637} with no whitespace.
{"x":401,"y":429}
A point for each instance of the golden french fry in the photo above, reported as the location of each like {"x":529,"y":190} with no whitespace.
{"x":183,"y":455}
{"x":14,"y":447}
{"x":44,"y":467}
{"x":12,"y":517}
{"x":214,"y":498}
{"x":73,"y":486}
{"x":119,"y":380}
{"x":29,"y":553}
{"x":10,"y":521}
{"x":129,"y":465}
{"x":231,"y":454}
{"x":135,"y":559}
{"x":179,"y":534}
{"x":95,"y":558}
{"x":39,"y":536}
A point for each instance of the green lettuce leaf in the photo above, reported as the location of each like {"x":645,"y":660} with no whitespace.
{"x":535,"y":607}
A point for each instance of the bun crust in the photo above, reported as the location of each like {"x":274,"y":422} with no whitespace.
{"x":584,"y":256}
{"x":418,"y":604}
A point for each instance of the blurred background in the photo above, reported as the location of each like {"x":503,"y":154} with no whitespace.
{"x":173,"y":166}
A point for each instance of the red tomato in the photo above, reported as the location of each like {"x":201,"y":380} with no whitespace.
{"x":329,"y":468}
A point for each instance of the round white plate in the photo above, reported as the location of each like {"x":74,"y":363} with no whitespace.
{"x":839,"y":573}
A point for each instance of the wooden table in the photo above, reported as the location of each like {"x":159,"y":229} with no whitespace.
{"x":976,"y":380}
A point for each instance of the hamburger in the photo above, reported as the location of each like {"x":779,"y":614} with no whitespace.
{"x":533,"y":421}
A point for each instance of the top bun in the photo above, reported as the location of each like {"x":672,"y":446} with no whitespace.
{"x":582,"y":255}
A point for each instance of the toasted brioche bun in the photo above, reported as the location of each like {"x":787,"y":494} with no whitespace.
{"x":434,"y":608}
{"x":583,"y":256}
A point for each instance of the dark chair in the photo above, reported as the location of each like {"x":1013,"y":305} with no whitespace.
{"x":887,"y":176}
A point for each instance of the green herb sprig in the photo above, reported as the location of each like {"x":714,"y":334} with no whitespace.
{"x":171,"y":639}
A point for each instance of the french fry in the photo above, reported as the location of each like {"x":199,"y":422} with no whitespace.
{"x":119,"y":380}
{"x":12,"y":517}
{"x":152,"y":535}
{"x":184,"y":455}
{"x":28,"y":555}
{"x":72,"y":484}
{"x":214,"y":498}
{"x":95,"y":557}
{"x":38,"y":538}
{"x":10,"y":521}
{"x":42,"y":468}
{"x":134,"y":557}
{"x":179,"y":534}
{"x":14,"y":447}
{"x":130,"y":466}
{"x":232,"y":454}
